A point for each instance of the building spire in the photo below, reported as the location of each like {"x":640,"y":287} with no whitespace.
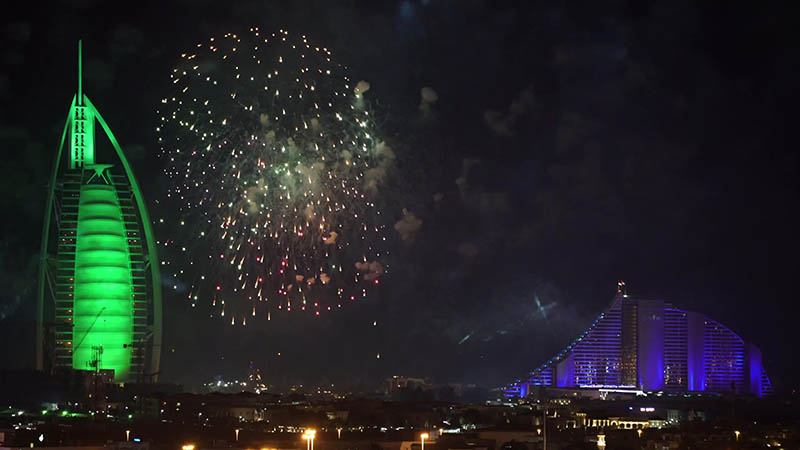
{"x":80,"y":72}
{"x":81,"y":124}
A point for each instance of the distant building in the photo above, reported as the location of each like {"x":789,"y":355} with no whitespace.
{"x":625,"y":423}
{"x":99,"y":293}
{"x":652,"y":346}
{"x":398,"y":383}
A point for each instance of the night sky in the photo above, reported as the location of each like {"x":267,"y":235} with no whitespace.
{"x":570,"y":146}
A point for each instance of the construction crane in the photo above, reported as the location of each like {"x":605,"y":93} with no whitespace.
{"x":89,"y":330}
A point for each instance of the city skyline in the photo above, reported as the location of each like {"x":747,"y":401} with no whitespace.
{"x":520,"y":159}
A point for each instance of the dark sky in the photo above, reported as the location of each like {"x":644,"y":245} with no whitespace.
{"x":571,"y":145}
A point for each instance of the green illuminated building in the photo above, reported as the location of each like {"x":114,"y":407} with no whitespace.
{"x":99,"y":298}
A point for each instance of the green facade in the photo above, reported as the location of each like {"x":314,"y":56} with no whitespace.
{"x":103,"y":311}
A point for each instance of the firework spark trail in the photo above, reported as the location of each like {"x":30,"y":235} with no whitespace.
{"x":274,"y":161}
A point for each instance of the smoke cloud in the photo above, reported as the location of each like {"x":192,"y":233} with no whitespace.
{"x":428,"y":98}
{"x":376,"y":176}
{"x":373,"y":270}
{"x":476,"y":198}
{"x":361,"y":88}
{"x":503,"y":123}
{"x":408,"y":225}
{"x":330,"y":239}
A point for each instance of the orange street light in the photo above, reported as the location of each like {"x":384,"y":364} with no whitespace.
{"x":309,"y":436}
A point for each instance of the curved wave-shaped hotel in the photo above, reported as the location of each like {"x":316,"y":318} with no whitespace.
{"x":652,"y":346}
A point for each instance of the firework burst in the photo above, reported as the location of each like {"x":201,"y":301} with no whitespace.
{"x":275,"y":165}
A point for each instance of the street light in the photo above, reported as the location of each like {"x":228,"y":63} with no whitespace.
{"x":737,"y":433}
{"x":309,"y":437}
{"x":127,"y":435}
{"x":187,"y":447}
{"x":544,"y":425}
{"x":237,"y":434}
{"x":422,"y":438}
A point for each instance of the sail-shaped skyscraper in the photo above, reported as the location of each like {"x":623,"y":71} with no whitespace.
{"x":99,"y":292}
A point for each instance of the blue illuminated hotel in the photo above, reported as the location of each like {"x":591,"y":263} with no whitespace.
{"x":651,"y":346}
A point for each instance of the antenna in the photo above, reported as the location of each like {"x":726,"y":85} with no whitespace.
{"x":80,"y":72}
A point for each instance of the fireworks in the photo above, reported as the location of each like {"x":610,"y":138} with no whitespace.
{"x":275,"y":165}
